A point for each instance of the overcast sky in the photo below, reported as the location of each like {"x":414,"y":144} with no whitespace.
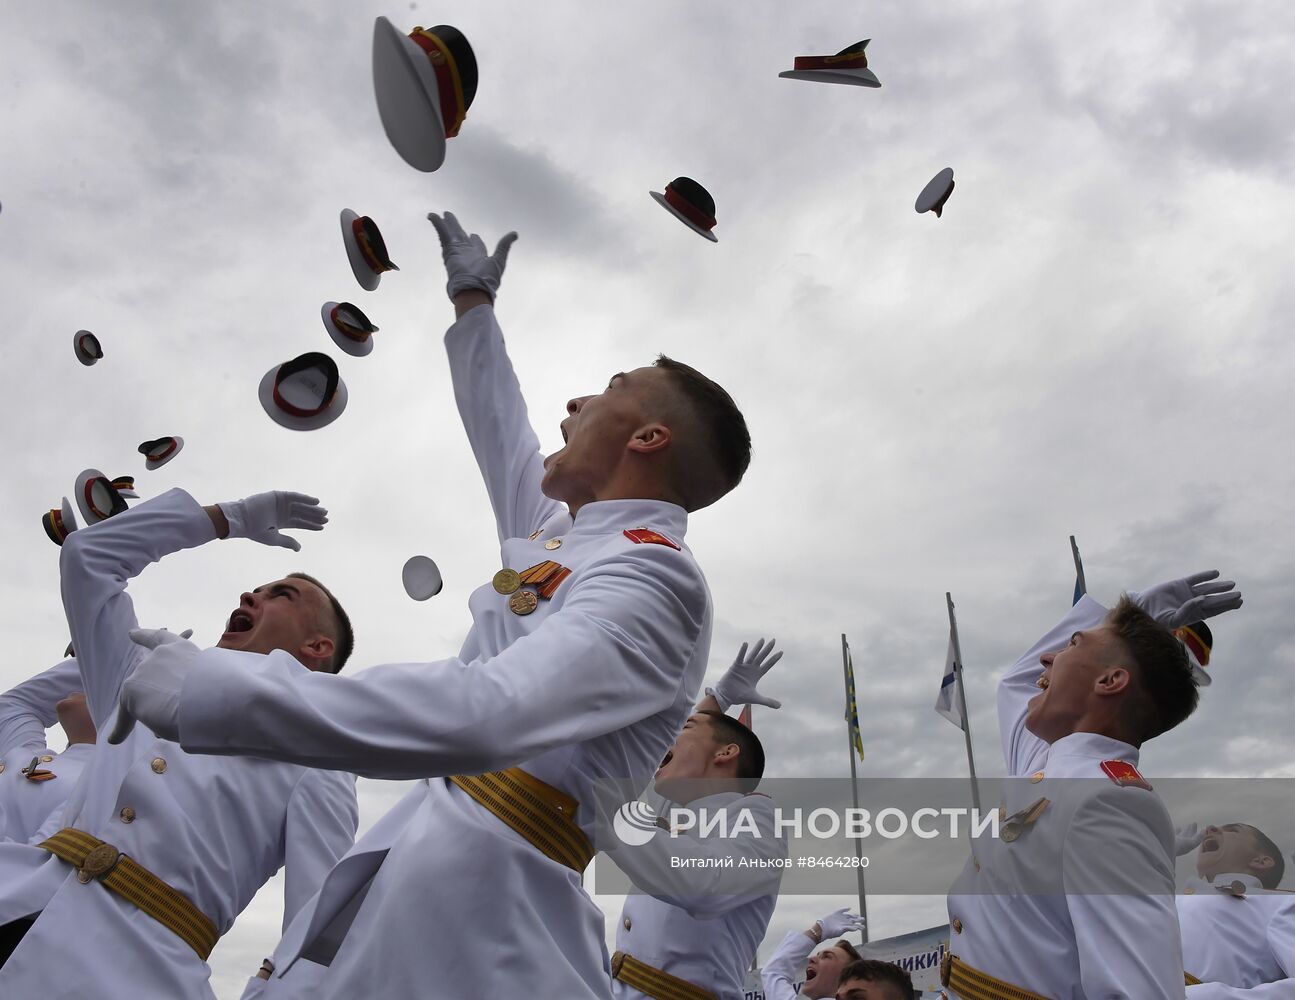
{"x":1094,"y":339}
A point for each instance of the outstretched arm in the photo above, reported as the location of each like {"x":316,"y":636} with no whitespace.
{"x":1021,"y":748}
{"x":485,"y":386}
{"x":96,"y":563}
{"x":613,"y":654}
{"x":783,"y":969}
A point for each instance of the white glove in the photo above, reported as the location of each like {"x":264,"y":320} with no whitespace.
{"x":260,"y":517}
{"x":1187,"y":839}
{"x":466,"y":260}
{"x":1190,"y":599}
{"x":151,"y":694}
{"x":737,"y":685}
{"x":840,"y":922}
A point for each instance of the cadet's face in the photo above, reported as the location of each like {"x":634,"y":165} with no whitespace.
{"x":595,"y":433}
{"x":823,"y":972}
{"x":283,"y":615}
{"x":857,"y":989}
{"x":687,"y":759}
{"x":1069,"y":677}
{"x":1229,"y":849}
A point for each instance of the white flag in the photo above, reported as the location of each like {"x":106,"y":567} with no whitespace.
{"x":947,"y":703}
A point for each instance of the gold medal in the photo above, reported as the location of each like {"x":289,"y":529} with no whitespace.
{"x":523,"y":602}
{"x":506,"y":581}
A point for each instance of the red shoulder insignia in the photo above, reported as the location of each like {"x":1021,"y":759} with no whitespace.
{"x":1123,"y":773}
{"x":641,"y":536}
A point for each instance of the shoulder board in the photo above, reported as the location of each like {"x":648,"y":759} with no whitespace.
{"x":646,"y":536}
{"x":1123,"y":773}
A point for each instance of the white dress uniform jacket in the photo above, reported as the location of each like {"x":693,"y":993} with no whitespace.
{"x":441,"y":898}
{"x":1239,"y":947}
{"x":703,"y":924}
{"x":1070,"y":944}
{"x":213,"y":829}
{"x":26,"y":711}
{"x":785,"y":968}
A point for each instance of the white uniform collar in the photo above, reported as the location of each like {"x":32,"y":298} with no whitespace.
{"x":1251,"y":883}
{"x":604,"y":517}
{"x":1093,"y":746}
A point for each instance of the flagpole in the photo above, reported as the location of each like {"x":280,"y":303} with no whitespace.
{"x":1079,"y":567}
{"x":962,"y":702}
{"x":854,"y":780}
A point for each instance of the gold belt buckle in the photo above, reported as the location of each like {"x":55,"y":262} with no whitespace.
{"x":98,"y":863}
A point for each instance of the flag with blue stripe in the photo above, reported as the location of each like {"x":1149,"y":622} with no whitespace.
{"x":947,"y":702}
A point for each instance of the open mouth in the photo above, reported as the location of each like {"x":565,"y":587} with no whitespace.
{"x":1210,"y":844}
{"x":239,"y":621}
{"x":669,"y":756}
{"x":1042,"y":683}
{"x":810,"y":973}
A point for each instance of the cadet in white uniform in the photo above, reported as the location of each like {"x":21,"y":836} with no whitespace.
{"x":586,"y":672}
{"x":1238,"y":928}
{"x":210,"y":831}
{"x":34,"y":778}
{"x":1075,"y":900}
{"x":822,"y":970}
{"x":693,"y":932}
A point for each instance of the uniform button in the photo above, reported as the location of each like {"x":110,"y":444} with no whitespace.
{"x":158,"y":765}
{"x":1,"y":767}
{"x":1036,"y":777}
{"x":45,"y":758}
{"x":628,"y":923}
{"x":957,"y":926}
{"x":553,"y":543}
{"x":127,"y":814}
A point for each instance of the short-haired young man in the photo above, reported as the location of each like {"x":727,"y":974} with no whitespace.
{"x":693,"y":931}
{"x":822,"y":969}
{"x":1075,"y":898}
{"x":870,"y":979}
{"x":161,"y":849}
{"x":1238,"y":928}
{"x":585,"y":657}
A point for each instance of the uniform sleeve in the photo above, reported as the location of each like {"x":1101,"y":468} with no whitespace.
{"x":706,"y":892}
{"x":27,"y":709}
{"x":321,"y":821}
{"x":784,"y":967}
{"x":1118,"y":873}
{"x":499,"y":430}
{"x":1022,"y":750}
{"x":1281,"y":942}
{"x":614,"y":653}
{"x":96,"y":564}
